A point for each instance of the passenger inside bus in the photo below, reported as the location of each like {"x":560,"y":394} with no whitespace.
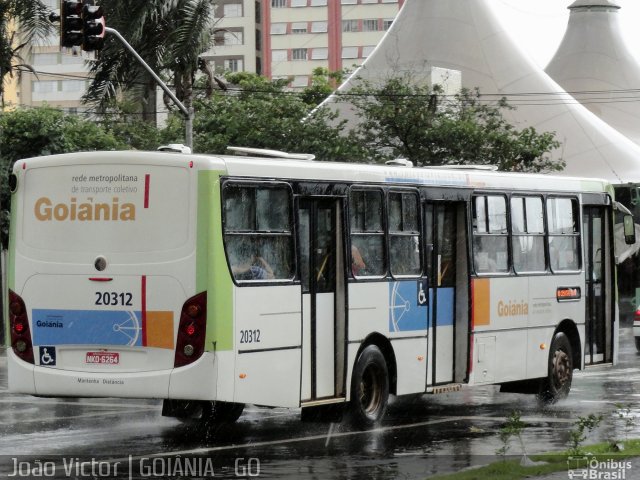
{"x":254,"y":268}
{"x":357,"y":262}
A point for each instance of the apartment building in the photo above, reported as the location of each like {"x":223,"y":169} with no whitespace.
{"x":289,"y":38}
{"x":238,"y":39}
{"x":301,"y":35}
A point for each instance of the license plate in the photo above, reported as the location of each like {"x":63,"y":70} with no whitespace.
{"x":103,"y":358}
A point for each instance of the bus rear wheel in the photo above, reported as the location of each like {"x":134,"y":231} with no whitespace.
{"x":558,"y":382}
{"x":196,"y":412}
{"x":369,"y":388}
{"x":221,"y":412}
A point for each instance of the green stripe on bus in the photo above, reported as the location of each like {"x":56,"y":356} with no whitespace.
{"x":212,"y":273}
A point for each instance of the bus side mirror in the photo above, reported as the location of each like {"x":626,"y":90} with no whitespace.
{"x":629,"y":230}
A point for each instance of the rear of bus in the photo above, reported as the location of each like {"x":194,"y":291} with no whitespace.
{"x":103,"y":298}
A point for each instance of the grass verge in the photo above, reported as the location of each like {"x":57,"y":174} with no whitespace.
{"x":554,"y":462}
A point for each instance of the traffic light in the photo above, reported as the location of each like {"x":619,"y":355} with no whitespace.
{"x":93,"y":28}
{"x":70,"y":24}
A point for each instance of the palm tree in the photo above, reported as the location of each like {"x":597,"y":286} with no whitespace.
{"x":169,"y":35}
{"x":20,"y":23}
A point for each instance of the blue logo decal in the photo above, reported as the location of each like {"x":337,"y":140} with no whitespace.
{"x":407,"y":306}
{"x":87,"y":327}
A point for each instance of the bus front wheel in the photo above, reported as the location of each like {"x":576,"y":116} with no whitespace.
{"x":369,"y":387}
{"x":558,"y":382}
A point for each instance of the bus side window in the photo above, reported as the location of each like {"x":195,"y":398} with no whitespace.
{"x":527,"y":226}
{"x":258,"y":236}
{"x":490,"y":236}
{"x":404,"y":234}
{"x":564,"y":236}
{"x":367,"y":233}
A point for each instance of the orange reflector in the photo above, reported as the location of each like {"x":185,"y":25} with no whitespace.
{"x":543,"y":346}
{"x":420,"y":358}
{"x":243,"y":376}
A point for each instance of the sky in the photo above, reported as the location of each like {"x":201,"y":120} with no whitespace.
{"x":539,"y":25}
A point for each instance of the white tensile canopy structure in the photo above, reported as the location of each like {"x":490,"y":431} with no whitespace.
{"x":435,"y":36}
{"x":594,"y":64}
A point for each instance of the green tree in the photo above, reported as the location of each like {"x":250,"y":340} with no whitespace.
{"x":20,"y":22}
{"x":26,"y":133}
{"x":258,"y":113}
{"x":406,"y":119}
{"x":170,"y":35}
{"x":124,"y":122}
{"x":323,"y":83}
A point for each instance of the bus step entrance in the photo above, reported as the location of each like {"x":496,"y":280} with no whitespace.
{"x":451,"y":387}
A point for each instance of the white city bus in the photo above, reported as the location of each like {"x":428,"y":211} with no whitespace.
{"x":216,"y":281}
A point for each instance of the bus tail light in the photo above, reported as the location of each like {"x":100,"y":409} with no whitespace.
{"x":191,"y":330}
{"x":19,"y":327}
{"x":636,"y":316}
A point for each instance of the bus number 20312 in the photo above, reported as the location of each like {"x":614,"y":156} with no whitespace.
{"x":114,"y":298}
{"x":250,"y":336}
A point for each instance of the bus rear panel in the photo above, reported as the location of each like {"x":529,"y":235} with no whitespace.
{"x":102,"y":289}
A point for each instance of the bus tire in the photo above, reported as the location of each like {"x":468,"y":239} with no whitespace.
{"x":217,"y":412}
{"x":560,"y":371}
{"x":369,"y":388}
{"x":637,"y":339}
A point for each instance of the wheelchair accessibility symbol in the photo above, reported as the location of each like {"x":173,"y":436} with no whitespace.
{"x":47,"y":356}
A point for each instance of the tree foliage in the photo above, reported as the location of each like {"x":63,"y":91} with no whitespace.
{"x":405,"y":119}
{"x":170,"y":35}
{"x":258,"y":113}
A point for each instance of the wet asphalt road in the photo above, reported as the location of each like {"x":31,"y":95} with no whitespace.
{"x":420,"y":436}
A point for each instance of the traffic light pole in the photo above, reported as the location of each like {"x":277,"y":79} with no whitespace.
{"x":188,"y":113}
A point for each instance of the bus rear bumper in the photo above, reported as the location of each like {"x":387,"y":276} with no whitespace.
{"x":195,"y":382}
{"x":636,"y":329}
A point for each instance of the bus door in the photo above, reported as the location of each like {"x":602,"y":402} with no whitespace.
{"x":323,"y":299}
{"x":597,"y":267}
{"x":441,"y":235}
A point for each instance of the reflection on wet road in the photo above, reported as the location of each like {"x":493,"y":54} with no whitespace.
{"x":419,"y":437}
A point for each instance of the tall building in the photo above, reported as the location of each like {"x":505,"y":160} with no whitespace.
{"x":290,"y":38}
{"x":300,"y":35}
{"x":238,"y":38}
